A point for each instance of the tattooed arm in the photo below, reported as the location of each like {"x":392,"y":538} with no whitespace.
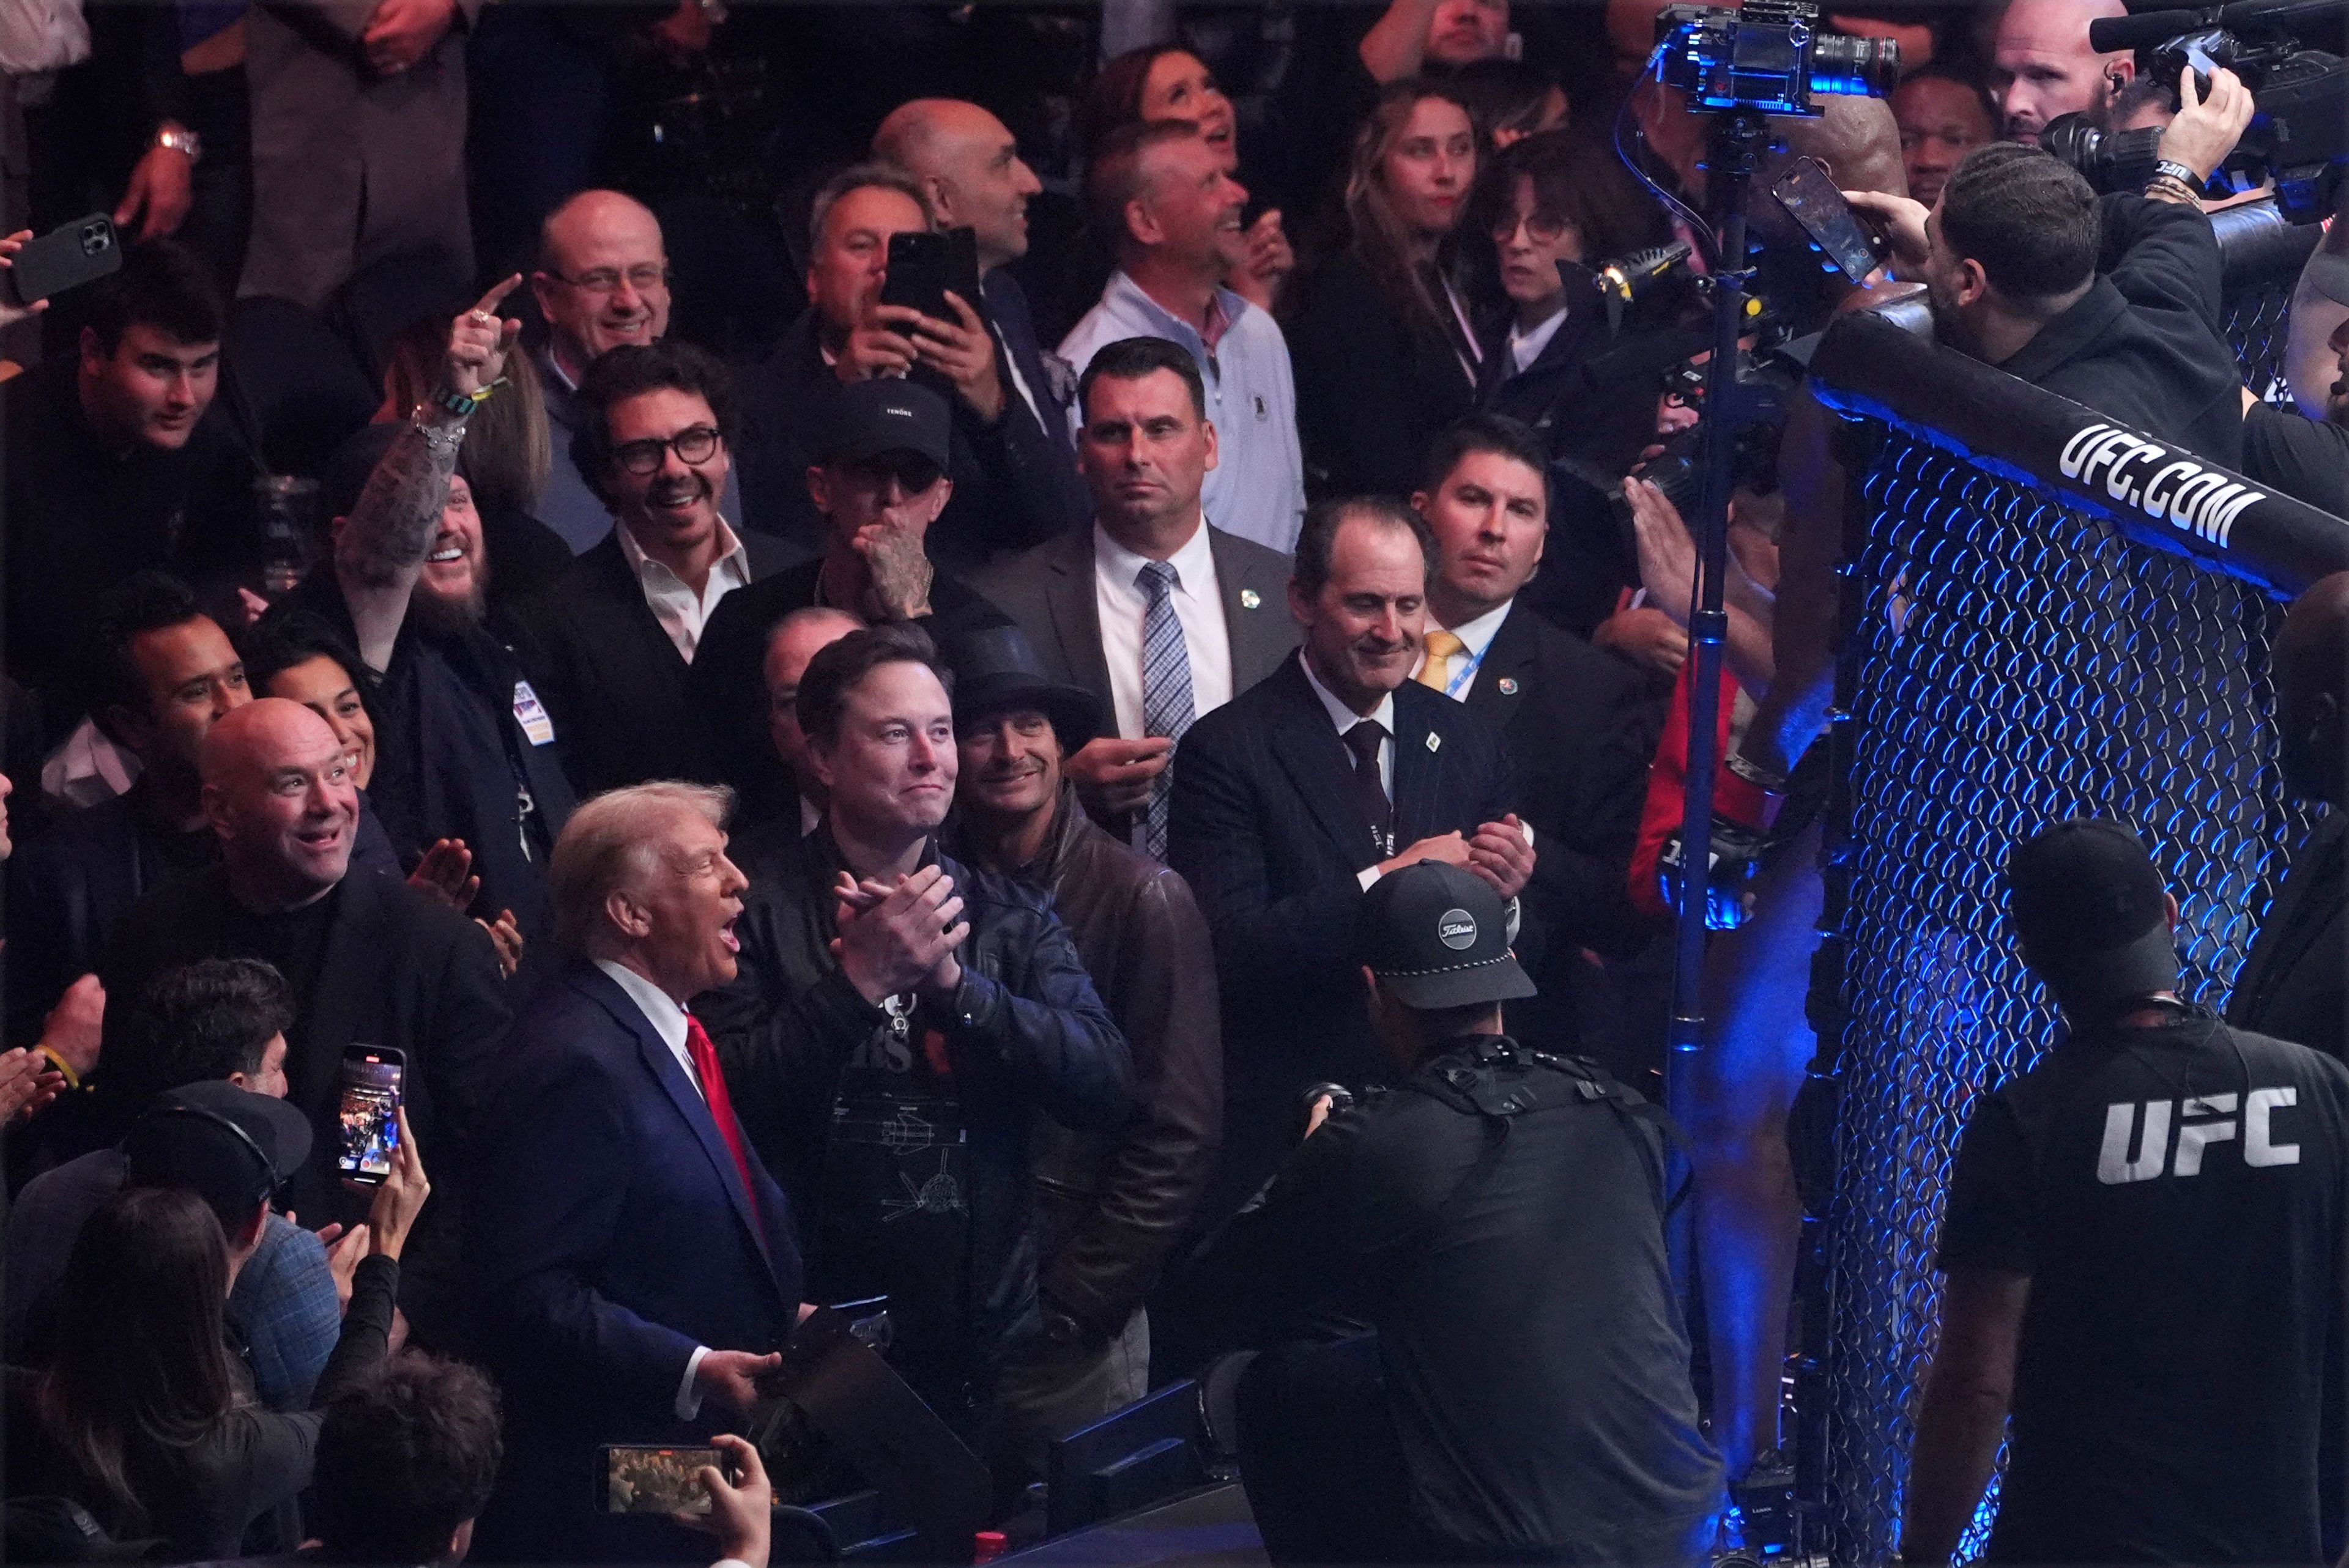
{"x":379,"y":548}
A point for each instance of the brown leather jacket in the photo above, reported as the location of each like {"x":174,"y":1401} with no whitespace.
{"x":1112,"y":1206}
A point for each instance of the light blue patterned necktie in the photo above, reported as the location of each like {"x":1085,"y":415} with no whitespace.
{"x":1165,"y":685}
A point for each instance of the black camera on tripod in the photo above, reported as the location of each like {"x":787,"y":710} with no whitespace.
{"x":1769,"y":54}
{"x":2301,"y":134}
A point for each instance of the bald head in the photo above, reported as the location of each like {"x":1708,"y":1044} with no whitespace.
{"x":797,"y":638}
{"x":2042,"y":66}
{"x":2311,"y":676}
{"x":969,"y":168}
{"x":602,"y":278}
{"x":1857,"y":139}
{"x":278,"y":794}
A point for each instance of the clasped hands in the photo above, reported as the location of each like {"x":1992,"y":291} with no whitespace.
{"x":899,"y":936}
{"x":1499,"y":852}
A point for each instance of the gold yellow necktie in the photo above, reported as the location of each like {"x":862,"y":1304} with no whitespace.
{"x":1435,"y":674}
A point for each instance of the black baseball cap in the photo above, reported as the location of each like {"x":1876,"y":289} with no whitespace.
{"x":1437,"y":936}
{"x":227,"y":1145}
{"x":887,"y":415}
{"x":2093,"y":914}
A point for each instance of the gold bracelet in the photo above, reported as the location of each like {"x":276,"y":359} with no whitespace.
{"x":73,"y":1078}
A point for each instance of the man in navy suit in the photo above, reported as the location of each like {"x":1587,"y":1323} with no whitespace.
{"x":638,"y":1263}
{"x":1293,"y":798}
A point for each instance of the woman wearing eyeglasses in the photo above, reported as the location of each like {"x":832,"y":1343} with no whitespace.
{"x":144,"y":1416}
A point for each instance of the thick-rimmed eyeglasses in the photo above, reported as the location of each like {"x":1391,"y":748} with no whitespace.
{"x":694,"y":444}
{"x":1541,"y":228}
{"x":608,"y":280}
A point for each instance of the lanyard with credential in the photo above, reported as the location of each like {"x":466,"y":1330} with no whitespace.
{"x":1455,"y":686}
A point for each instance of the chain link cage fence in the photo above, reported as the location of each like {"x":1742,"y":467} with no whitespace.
{"x":2009,"y":661}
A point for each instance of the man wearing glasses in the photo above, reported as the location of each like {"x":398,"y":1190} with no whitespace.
{"x":616,"y":633}
{"x":602,"y":282}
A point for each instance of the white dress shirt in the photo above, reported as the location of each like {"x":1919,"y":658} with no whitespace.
{"x":1345,"y":718}
{"x":667,"y":1015}
{"x":680,"y":611}
{"x":1524,"y":347}
{"x":1476,"y":641}
{"x":1198,"y":608}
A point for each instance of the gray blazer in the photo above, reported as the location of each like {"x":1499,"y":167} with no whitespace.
{"x":1048,"y":592}
{"x":349,"y":167}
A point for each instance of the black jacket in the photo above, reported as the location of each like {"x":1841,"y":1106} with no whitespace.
{"x":1011,"y":488}
{"x":1370,"y":393}
{"x":1266,"y":827}
{"x":397,"y":969}
{"x":1114,"y":1205}
{"x":240,"y":1482}
{"x":1498,"y":1219}
{"x":2295,"y":984}
{"x":1580,"y":728}
{"x":728,"y":687}
{"x":611,"y":679}
{"x":2149,"y":345}
{"x":1027,"y":1033}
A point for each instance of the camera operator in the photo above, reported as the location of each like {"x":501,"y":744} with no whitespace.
{"x":1498,"y":1220}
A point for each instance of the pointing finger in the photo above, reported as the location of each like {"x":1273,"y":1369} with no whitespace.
{"x":488,"y":304}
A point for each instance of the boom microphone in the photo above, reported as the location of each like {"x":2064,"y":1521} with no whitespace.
{"x":2112,"y":34}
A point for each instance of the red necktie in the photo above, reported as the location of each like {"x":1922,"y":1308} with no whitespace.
{"x":721,"y":1109}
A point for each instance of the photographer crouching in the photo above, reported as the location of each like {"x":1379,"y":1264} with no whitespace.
{"x":1497,"y":1221}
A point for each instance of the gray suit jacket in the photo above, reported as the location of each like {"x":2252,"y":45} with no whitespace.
{"x":1048,"y":592}
{"x":349,"y":167}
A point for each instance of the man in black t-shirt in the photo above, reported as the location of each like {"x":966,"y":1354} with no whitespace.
{"x":2305,"y":458}
{"x":2144,"y":1257}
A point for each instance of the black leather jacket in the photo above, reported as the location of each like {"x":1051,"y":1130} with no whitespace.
{"x":1114,"y":1205}
{"x":1026,"y":1033}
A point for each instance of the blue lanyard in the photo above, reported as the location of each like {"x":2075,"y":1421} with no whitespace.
{"x":1457,"y":682}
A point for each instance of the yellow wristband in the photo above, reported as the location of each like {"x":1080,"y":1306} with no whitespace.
{"x":73,"y":1078}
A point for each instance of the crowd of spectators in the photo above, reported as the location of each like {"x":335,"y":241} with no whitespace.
{"x":883,"y":645}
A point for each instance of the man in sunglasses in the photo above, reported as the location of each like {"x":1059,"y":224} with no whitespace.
{"x":616,"y":633}
{"x":881,"y":482}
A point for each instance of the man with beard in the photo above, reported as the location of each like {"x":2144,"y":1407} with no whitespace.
{"x":2043,"y":66}
{"x":466,"y":751}
{"x":900,"y":1023}
{"x":1113,"y":1206}
{"x":2295,"y":984}
{"x":2305,"y":458}
{"x":615,"y":638}
{"x":1296,"y":795}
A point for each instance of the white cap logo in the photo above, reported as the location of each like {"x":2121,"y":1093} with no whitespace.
{"x":1456,"y":929}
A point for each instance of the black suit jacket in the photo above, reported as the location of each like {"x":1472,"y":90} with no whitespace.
{"x":1370,"y":393}
{"x":1581,"y":729}
{"x":2295,"y":984}
{"x":1049,"y":594}
{"x":1004,"y":306}
{"x":397,"y":970}
{"x":610,"y":677}
{"x":1266,"y":827}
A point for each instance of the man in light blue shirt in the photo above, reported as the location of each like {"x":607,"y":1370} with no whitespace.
{"x":1163,"y":192}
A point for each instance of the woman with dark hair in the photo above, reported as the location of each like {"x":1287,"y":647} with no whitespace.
{"x":144,"y":1416}
{"x":1385,"y":352}
{"x":296,"y":656}
{"x":1167,"y":82}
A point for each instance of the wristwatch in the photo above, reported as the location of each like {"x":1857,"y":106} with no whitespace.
{"x":181,"y":140}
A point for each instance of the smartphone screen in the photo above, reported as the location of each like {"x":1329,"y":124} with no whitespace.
{"x":372,"y":1084}
{"x":643,"y":1479}
{"x":1809,"y":196}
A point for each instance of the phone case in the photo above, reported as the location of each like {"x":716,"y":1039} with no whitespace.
{"x":64,"y":258}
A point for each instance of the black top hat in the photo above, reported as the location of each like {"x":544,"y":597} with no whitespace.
{"x":886,"y":415}
{"x":996,"y":670}
{"x":1437,"y":936}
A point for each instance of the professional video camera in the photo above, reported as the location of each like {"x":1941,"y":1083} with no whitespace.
{"x":1768,"y":55}
{"x":2301,"y":134}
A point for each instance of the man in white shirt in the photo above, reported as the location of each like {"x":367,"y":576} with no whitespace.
{"x":616,"y":633}
{"x":1160,"y":614}
{"x":1162,"y":191}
